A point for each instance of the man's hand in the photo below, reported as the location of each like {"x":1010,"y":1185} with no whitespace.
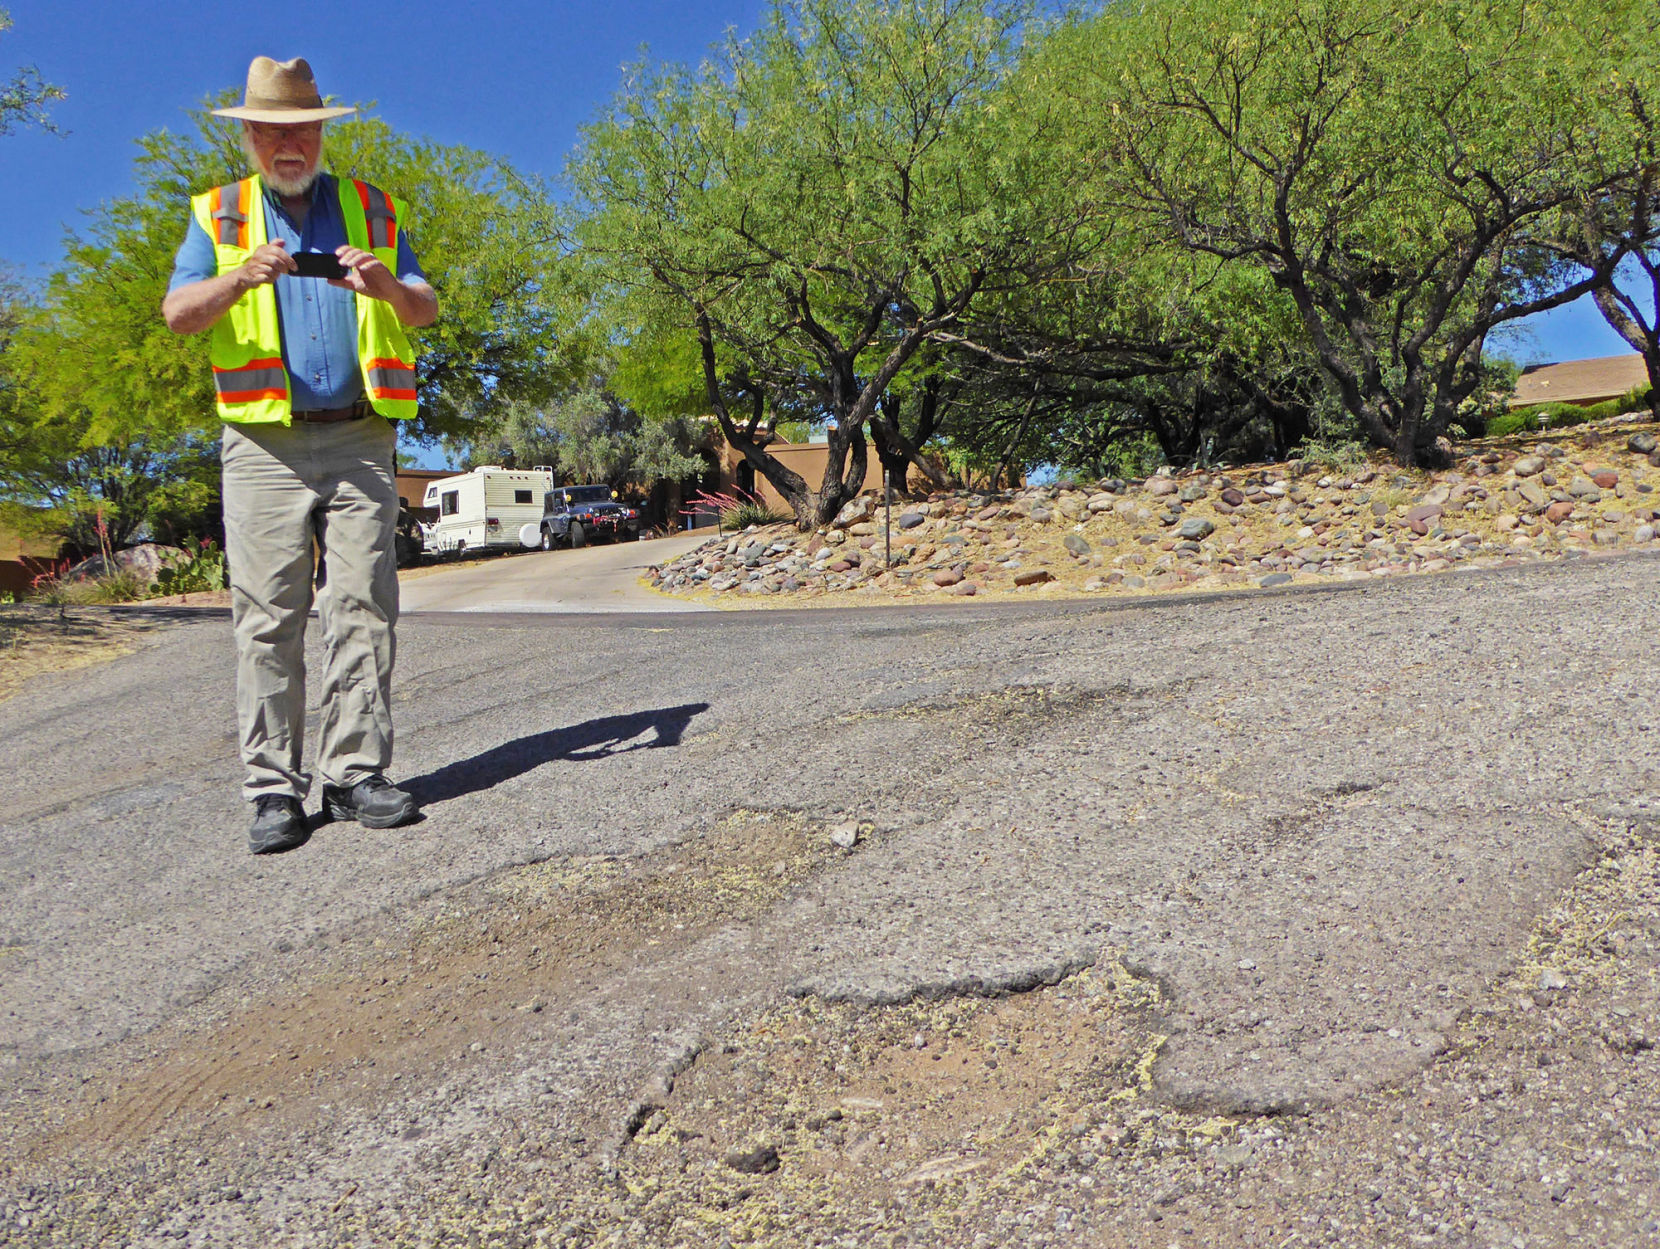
{"x":365,"y":274}
{"x":267,"y":263}
{"x":194,"y":308}
{"x":416,"y":303}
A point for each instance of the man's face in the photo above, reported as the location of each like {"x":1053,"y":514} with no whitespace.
{"x":287,"y":157}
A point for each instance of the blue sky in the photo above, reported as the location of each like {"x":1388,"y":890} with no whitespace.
{"x":514,"y":77}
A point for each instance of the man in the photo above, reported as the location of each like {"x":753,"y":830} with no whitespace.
{"x":309,"y":371}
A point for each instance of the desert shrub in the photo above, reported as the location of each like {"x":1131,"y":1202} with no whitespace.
{"x":1344,"y":458}
{"x":738,"y":510}
{"x":204,"y":570}
{"x":1566,"y":415}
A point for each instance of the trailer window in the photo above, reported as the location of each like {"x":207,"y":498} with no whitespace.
{"x":449,"y":503}
{"x":521,"y":496}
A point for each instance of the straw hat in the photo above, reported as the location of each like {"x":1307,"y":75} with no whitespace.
{"x":281,"y":92}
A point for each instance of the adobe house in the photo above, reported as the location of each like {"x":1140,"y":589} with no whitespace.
{"x":412,"y":484}
{"x":806,"y":458}
{"x":22,"y":559}
{"x":1583,"y":382}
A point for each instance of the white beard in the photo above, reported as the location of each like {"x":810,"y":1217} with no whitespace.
{"x":298,"y":185}
{"x":294,"y":186}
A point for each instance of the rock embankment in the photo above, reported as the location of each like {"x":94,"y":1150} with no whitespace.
{"x":1265,"y":525}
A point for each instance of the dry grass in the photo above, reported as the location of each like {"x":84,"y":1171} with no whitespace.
{"x":37,"y":639}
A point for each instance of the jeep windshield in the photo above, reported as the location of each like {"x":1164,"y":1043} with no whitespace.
{"x":588,"y":494}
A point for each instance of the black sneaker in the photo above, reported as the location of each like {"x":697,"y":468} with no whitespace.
{"x":373,"y":802}
{"x":279,"y":824}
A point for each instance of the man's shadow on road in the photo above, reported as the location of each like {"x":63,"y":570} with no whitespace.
{"x":593,"y":739}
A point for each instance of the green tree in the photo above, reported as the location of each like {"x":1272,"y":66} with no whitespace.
{"x":814,"y":208}
{"x":585,"y":435}
{"x":25,"y":97}
{"x":1396,"y":167}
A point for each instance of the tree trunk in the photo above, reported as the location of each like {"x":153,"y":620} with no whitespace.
{"x":791,"y":486}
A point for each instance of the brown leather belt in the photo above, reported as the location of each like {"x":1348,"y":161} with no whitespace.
{"x":328,"y":416}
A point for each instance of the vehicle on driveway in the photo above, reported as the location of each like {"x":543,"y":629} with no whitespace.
{"x":485,"y":509}
{"x":574,"y":516}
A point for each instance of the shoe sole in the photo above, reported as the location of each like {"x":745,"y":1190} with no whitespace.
{"x":279,"y":842}
{"x":401,"y":816}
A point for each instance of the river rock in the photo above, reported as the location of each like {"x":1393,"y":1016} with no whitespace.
{"x":1158,"y":487}
{"x":1101,"y":502}
{"x":1556,"y":513}
{"x":1533,"y":492}
{"x":1033,"y":576}
{"x":1196,"y":528}
{"x":947,"y":577}
{"x":1076,"y":545}
{"x":1584,"y":488}
{"x":1642,"y":444}
{"x":1605,"y":478}
{"x":1233,"y":497}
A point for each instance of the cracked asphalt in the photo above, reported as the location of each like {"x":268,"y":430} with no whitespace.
{"x":1323,"y":824}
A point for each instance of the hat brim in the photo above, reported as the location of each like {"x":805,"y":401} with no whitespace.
{"x":283,"y":116}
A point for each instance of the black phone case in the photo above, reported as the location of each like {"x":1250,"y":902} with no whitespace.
{"x":317,"y":265}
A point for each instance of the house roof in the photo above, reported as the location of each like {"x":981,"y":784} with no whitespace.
{"x":1580,"y":381}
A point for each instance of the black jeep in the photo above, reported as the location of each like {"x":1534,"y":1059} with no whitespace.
{"x":576,"y":515}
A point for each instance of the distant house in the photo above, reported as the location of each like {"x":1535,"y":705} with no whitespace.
{"x":22,"y":559}
{"x":412,"y":484}
{"x":1584,"y":382}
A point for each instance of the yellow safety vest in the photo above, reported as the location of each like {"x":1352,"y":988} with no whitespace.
{"x":246,"y":343}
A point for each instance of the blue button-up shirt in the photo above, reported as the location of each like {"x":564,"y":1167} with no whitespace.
{"x":319,"y":321}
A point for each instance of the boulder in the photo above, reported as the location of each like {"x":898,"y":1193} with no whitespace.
{"x":855,"y":510}
{"x":144,"y":560}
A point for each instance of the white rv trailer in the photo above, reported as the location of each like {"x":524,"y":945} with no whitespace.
{"x":485,"y":509}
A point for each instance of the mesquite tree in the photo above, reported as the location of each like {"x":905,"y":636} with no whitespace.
{"x":1397,"y":167}
{"x":815,"y":208}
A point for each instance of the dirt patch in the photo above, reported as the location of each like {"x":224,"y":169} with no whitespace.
{"x":468,"y":974}
{"x":860,"y":1121}
{"x":35,"y":640}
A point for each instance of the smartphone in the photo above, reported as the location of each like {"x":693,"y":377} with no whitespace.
{"x":318,"y":265}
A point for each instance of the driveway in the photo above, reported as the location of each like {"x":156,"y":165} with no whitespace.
{"x":593,"y":579}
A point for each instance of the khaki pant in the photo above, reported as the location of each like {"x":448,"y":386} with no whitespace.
{"x":284,"y":489}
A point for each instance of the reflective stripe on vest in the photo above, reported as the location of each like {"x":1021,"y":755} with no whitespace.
{"x":258,"y":379}
{"x":377,"y":211}
{"x":230,"y":215}
{"x":390,"y":379}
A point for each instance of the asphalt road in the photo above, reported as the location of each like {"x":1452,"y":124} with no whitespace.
{"x":600,"y":578}
{"x":1322,"y":821}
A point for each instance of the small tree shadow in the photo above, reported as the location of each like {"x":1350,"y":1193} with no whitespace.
{"x":592,"y":739}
